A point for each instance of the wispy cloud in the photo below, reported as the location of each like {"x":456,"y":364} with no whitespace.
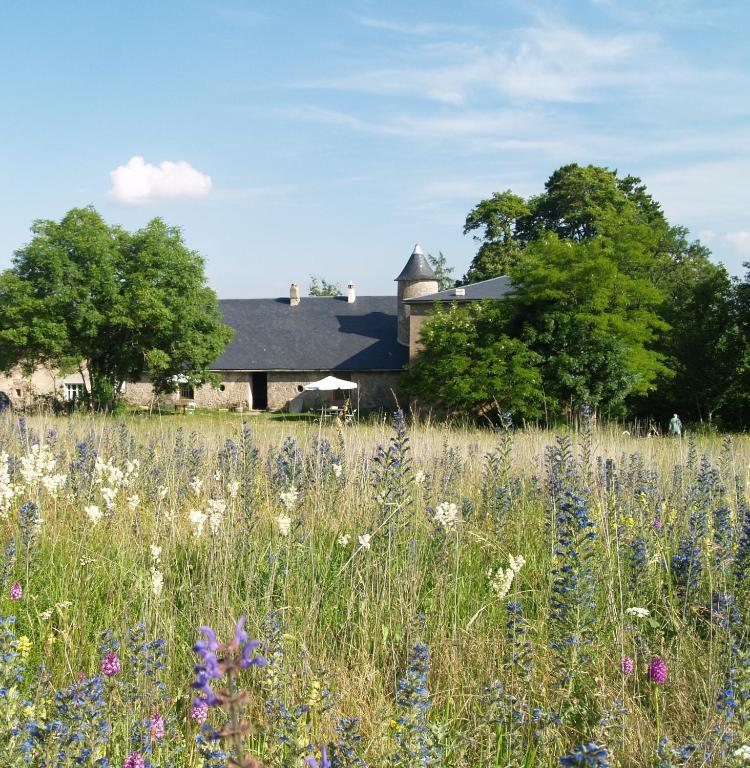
{"x":138,"y":182}
{"x":419,"y":29}
{"x":546,"y":62}
{"x":739,"y":241}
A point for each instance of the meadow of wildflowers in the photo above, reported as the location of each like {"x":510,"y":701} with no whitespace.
{"x":208,"y":592}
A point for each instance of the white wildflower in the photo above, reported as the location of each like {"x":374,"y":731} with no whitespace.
{"x":53,"y":483}
{"x":344,"y":539}
{"x":162,"y":492}
{"x":501,"y":581}
{"x":419,"y":477}
{"x":446,"y":515}
{"x":289,"y":498}
{"x":7,"y":490}
{"x":197,"y":520}
{"x":641,"y":613}
{"x":46,"y":615}
{"x":131,"y":470}
{"x":233,"y":488}
{"x":216,"y":509}
{"x":109,"y":495}
{"x":133,"y":502}
{"x":93,"y":513}
{"x":516,"y":562}
{"x":743,"y":753}
{"x":155,"y":553}
{"x":36,"y":464}
{"x":338,"y":470}
{"x":196,"y":485}
{"x":157,"y":581}
{"x":364,"y":541}
{"x":107,"y":474}
{"x":217,"y":476}
{"x":285,"y":524}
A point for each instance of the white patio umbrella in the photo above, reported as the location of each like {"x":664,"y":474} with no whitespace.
{"x":330,"y":383}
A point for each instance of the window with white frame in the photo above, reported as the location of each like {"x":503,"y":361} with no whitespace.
{"x":74,"y":391}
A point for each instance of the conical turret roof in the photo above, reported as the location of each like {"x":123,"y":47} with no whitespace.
{"x":417,"y":268}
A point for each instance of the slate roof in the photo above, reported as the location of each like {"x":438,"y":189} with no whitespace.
{"x":417,"y":268}
{"x":495,"y":288}
{"x":319,"y":334}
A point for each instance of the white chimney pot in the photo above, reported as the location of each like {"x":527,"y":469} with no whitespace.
{"x":293,"y":294}
{"x":351,"y":293}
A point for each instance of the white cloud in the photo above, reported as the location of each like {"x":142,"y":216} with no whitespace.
{"x":419,"y":29}
{"x":138,"y":182}
{"x":549,"y":62}
{"x":740,"y":241}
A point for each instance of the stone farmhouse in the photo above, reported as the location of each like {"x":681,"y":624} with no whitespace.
{"x":282,"y":344}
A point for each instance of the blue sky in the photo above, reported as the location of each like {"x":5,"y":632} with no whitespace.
{"x":328,"y":137}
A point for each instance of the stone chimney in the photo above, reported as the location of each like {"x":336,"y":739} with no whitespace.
{"x":293,"y":295}
{"x":416,"y":279}
{"x":351,"y":294}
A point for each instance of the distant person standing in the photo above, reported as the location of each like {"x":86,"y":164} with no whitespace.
{"x":675,"y":426}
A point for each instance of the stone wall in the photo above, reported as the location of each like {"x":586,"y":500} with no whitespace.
{"x":22,"y":390}
{"x":379,"y":389}
{"x":286,"y":390}
{"x":411,"y":289}
{"x":233,"y":392}
{"x":419,"y":313}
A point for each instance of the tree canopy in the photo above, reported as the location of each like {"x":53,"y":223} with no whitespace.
{"x":83,"y":294}
{"x":321,"y":287}
{"x":443,"y":273}
{"x":619,"y":308}
{"x":470,"y":365}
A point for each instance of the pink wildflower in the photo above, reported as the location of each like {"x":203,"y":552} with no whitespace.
{"x":199,"y":711}
{"x":134,"y":760}
{"x":111,"y":666}
{"x":657,"y":670}
{"x":16,"y":591}
{"x":157,"y":726}
{"x":657,"y":524}
{"x":627,"y":665}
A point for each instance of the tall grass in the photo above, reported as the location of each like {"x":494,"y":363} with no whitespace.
{"x":502,"y":686}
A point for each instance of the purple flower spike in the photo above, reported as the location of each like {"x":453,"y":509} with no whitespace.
{"x":201,"y":684}
{"x":255,"y":661}
{"x":157,"y":726}
{"x":657,"y":670}
{"x":627,"y":665}
{"x":199,"y":710}
{"x":657,"y":524}
{"x":134,"y":760}
{"x":240,"y":636}
{"x":16,"y":591}
{"x":209,"y":644}
{"x":111,"y":665}
{"x":324,"y":761}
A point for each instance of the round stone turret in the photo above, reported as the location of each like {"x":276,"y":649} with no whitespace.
{"x":416,"y":279}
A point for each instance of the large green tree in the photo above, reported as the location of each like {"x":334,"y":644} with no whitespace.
{"x":597,"y":268}
{"x":88,"y":295}
{"x":592,"y":324}
{"x":470,"y":365}
{"x":704,"y":345}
